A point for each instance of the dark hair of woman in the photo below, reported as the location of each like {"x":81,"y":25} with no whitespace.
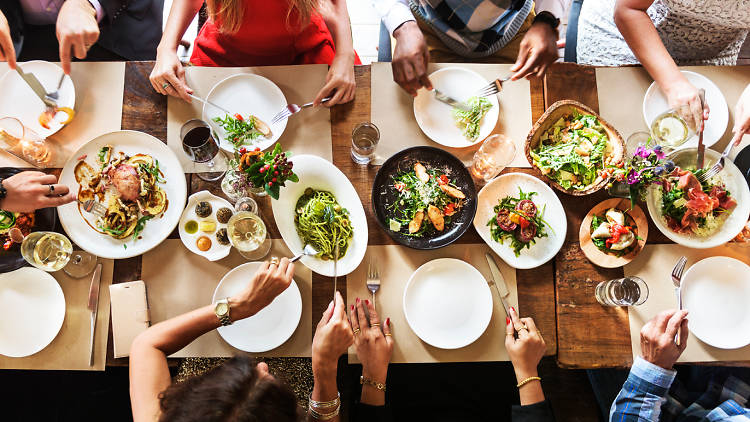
{"x":232,"y":392}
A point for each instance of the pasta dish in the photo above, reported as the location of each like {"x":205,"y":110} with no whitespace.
{"x":322,"y":223}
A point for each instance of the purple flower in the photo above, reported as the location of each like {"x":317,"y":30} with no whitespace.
{"x":634,"y":177}
{"x":642,"y":152}
{"x":658,"y":152}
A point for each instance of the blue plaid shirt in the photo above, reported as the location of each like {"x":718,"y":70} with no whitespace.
{"x":645,"y":396}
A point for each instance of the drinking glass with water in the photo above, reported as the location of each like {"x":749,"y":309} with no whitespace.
{"x":365,"y":138}
{"x":628,"y":291}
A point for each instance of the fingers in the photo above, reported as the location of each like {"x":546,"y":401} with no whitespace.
{"x":510,"y":332}
{"x":674,"y":322}
{"x":374,"y":319}
{"x":530,"y":325}
{"x":697,"y":114}
{"x":56,"y":201}
{"x":177,"y":85}
{"x":527,"y":66}
{"x":339,"y":309}
{"x":289,"y":270}
{"x":327,"y":314}
{"x":353,"y":318}
{"x":65,"y":48}
{"x":323,"y":93}
{"x":387,"y":332}
{"x":6,"y":49}
{"x":46,"y":179}
{"x":56,"y":190}
{"x":79,"y":46}
{"x":684,"y":333}
{"x":363,"y":323}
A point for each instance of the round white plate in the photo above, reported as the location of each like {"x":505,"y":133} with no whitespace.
{"x":716,"y":292}
{"x":246,"y":94}
{"x":735,"y":184}
{"x":435,"y":118}
{"x":217,"y":250}
{"x":269,"y":328}
{"x":447,"y":303}
{"x":319,"y":174}
{"x":655,"y":103}
{"x":19,"y":101}
{"x":32,"y":311}
{"x":157,"y":229}
{"x":545,"y":248}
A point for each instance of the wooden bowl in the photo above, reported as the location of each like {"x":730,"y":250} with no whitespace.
{"x":603,"y":259}
{"x":548,"y":119}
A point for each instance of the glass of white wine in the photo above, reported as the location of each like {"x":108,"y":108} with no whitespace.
{"x":248,"y":234}
{"x":48,"y":251}
{"x":496,"y":152}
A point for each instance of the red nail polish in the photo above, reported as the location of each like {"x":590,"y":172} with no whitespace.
{"x":388,"y":322}
{"x":367,"y":301}
{"x":513,"y":309}
{"x":507,"y":320}
{"x":357,"y":301}
{"x":352,"y":307}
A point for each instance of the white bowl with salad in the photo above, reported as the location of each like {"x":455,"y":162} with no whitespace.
{"x":700,"y":214}
{"x":521,"y":219}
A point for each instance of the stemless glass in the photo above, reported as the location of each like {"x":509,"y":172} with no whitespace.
{"x":202,"y":148}
{"x":24,"y":143}
{"x":627,"y":291}
{"x":365,"y":138}
{"x":248,"y":234}
{"x":640,"y":138}
{"x":492,"y":157}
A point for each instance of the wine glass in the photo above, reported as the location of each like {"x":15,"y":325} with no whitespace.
{"x":248,"y":234}
{"x":81,"y":264}
{"x":201,"y":146}
{"x":24,"y":143}
{"x":48,"y":251}
{"x":492,"y":157}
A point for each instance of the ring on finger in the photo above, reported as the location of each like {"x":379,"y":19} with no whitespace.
{"x":377,"y":324}
{"x":51,"y":189}
{"x":523,"y":327}
{"x":274,"y":261}
{"x":356,"y":331}
{"x":165,"y":85}
{"x":388,"y":334}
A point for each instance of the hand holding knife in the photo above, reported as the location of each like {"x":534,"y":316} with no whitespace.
{"x":499,"y":282}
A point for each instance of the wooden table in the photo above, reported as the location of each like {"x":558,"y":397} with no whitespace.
{"x":146,"y":111}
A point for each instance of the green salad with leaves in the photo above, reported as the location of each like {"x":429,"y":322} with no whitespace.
{"x":469,"y":121}
{"x":241,"y":131}
{"x":517,"y":219}
{"x":575,"y":152}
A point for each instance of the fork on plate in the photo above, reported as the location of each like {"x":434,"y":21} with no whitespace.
{"x":373,"y":279}
{"x":291,"y":109}
{"x":493,"y":88}
{"x":716,"y":168}
{"x":679,"y":267}
{"x":94,"y":207}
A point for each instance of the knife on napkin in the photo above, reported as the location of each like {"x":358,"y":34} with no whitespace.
{"x":498,"y":282}
{"x":94,"y":305}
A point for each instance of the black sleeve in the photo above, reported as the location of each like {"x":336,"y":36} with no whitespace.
{"x":367,"y":413}
{"x":537,"y":412}
{"x":113,"y":9}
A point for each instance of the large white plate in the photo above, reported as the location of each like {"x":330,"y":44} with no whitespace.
{"x":19,"y":101}
{"x":447,"y":303}
{"x":32,"y":311}
{"x":269,"y":328}
{"x":319,"y":174}
{"x":435,"y":118}
{"x":716,"y":292}
{"x":545,"y":248}
{"x":735,"y":184}
{"x":217,"y":250}
{"x":655,"y":103}
{"x":246,"y":94}
{"x":157,"y":229}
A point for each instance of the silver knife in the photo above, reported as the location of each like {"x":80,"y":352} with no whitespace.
{"x":440,"y":96}
{"x":701,"y":146}
{"x":36,"y":86}
{"x":94,"y":305}
{"x":499,"y":282}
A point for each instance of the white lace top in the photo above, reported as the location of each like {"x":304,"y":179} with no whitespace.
{"x":695,"y":32}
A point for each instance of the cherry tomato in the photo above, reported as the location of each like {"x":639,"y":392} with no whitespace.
{"x":443,"y":180}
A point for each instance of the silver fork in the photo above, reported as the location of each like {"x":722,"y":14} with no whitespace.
{"x":293,"y":109}
{"x":373,"y":279}
{"x":716,"y":168}
{"x":55,"y":95}
{"x":94,"y":207}
{"x":679,"y":267}
{"x":493,"y":88}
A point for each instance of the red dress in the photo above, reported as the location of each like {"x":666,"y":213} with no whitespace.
{"x":264,"y":38}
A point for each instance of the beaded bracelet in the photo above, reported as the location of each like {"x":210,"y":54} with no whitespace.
{"x":371,"y":383}
{"x":528,"y":380}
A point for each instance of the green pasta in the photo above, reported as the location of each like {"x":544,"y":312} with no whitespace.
{"x":323,"y":223}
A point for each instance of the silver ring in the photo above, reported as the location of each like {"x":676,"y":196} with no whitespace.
{"x":165,"y":85}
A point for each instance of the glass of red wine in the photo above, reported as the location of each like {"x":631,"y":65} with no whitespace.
{"x":202,"y":148}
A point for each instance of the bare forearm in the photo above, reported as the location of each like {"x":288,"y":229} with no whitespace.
{"x":531,"y":392}
{"x":324,"y":384}
{"x":180,"y":16}
{"x":336,"y":17}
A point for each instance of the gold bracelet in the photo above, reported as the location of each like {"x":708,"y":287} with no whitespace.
{"x":326,"y":404}
{"x":323,"y":416}
{"x":528,"y":380}
{"x":371,"y":383}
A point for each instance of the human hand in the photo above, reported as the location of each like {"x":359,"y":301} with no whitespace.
{"x":372,"y":341}
{"x":742,"y":117}
{"x":340,"y":85}
{"x":657,"y":338}
{"x":168,"y":76}
{"x":31,"y":190}
{"x":527,"y":350}
{"x":77,"y":30}
{"x":332,"y":337}
{"x":538,"y":50}
{"x":684,"y":98}
{"x":7,"y":51}
{"x":410,"y":58}
{"x":269,"y":281}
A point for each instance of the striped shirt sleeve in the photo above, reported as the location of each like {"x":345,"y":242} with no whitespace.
{"x":643,"y":393}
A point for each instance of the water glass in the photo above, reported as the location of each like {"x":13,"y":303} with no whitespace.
{"x":627,"y":291}
{"x":202,"y":147}
{"x":640,"y":138}
{"x":365,"y":138}
{"x":497,"y":152}
{"x":24,"y":143}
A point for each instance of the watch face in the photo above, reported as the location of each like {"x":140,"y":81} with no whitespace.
{"x":222,"y":308}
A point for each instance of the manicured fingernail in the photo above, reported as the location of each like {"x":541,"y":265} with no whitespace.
{"x":357,"y":301}
{"x":352,"y":307}
{"x":507,"y":320}
{"x":513,"y":309}
{"x":367,"y":301}
{"x":388,"y":322}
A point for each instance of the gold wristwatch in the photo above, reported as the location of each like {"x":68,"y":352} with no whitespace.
{"x":222,"y":312}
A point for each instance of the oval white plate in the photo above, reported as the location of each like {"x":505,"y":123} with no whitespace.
{"x":217,"y":251}
{"x":246,"y":94}
{"x":32,"y":311}
{"x":655,"y":103}
{"x":319,"y":174}
{"x":269,"y":328}
{"x":735,"y":184}
{"x":447,"y":303}
{"x":19,"y":101}
{"x":716,"y":292}
{"x":435,"y":118}
{"x":157,"y":229}
{"x":545,"y":248}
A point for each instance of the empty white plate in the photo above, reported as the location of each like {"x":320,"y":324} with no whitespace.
{"x":655,"y":103}
{"x":716,"y":292}
{"x":32,"y":311}
{"x":447,"y":303}
{"x":435,"y":118}
{"x":269,"y":328}
{"x":246,"y":94}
